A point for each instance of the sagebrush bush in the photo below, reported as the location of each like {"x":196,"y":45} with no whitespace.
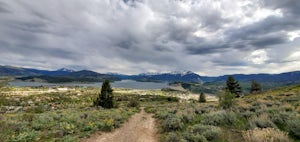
{"x":208,"y":131}
{"x":227,"y":100}
{"x":190,"y":137}
{"x":25,"y":136}
{"x":133,"y":103}
{"x":172,"y":137}
{"x":150,"y":109}
{"x":172,"y":123}
{"x":59,"y":124}
{"x":69,"y":138}
{"x":293,"y":127}
{"x":163,"y":114}
{"x":27,"y":117}
{"x":218,"y":118}
{"x":281,"y":118}
{"x":261,"y":121}
{"x":173,"y":99}
{"x":187,"y":115}
{"x":247,"y":114}
{"x":42,"y":122}
{"x":265,"y":135}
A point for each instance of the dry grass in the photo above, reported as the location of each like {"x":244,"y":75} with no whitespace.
{"x":265,"y":135}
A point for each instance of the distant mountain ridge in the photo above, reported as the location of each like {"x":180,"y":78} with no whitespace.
{"x":288,"y":77}
{"x":18,"y":71}
{"x":68,"y":75}
{"x":57,"y":76}
{"x":178,"y":76}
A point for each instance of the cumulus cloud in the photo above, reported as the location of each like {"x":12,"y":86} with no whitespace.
{"x":210,"y":37}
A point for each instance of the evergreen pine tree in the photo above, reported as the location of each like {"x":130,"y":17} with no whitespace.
{"x":233,"y":86}
{"x":255,"y":87}
{"x":202,"y":98}
{"x":105,"y":98}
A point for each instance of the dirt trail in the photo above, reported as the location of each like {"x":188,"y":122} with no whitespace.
{"x":140,"y":128}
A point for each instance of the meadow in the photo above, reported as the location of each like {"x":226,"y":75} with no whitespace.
{"x":68,"y":114}
{"x":272,"y":116}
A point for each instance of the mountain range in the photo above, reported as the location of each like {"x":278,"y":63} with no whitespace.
{"x":67,"y":75}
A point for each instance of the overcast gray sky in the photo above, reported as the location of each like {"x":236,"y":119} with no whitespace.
{"x":209,"y":37}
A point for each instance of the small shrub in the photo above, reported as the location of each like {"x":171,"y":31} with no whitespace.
{"x":26,"y":136}
{"x":227,"y":100}
{"x":27,"y":117}
{"x":265,"y":135}
{"x":219,"y":118}
{"x":42,"y":122}
{"x":262,"y":121}
{"x":190,"y":137}
{"x":172,"y":137}
{"x":209,"y":132}
{"x":59,"y":134}
{"x":109,"y":124}
{"x":173,"y":99}
{"x":69,"y":138}
{"x":150,"y":109}
{"x":205,"y":109}
{"x":293,"y":127}
{"x":187,"y":115}
{"x":247,"y":114}
{"x":164,"y":114}
{"x":281,"y":118}
{"x":36,"y":109}
{"x":67,"y":128}
{"x":133,"y":103}
{"x":172,"y":123}
{"x":202,"y":98}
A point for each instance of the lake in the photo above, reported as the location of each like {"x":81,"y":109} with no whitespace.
{"x":117,"y":84}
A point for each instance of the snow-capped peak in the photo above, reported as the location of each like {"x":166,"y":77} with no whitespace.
{"x":113,"y":73}
{"x":182,"y":73}
{"x":150,"y":73}
{"x":65,"y":69}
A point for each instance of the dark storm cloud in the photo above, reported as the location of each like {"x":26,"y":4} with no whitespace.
{"x":288,"y":6}
{"x":262,"y":34}
{"x":267,"y":41}
{"x":270,"y":25}
{"x":207,"y":48}
{"x":4,"y":8}
{"x":38,"y":51}
{"x":134,"y":36}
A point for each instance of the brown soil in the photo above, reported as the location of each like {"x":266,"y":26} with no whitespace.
{"x":141,"y":127}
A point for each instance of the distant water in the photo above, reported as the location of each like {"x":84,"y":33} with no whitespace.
{"x":118,"y":84}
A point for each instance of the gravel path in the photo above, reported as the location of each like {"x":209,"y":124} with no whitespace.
{"x":141,"y":127}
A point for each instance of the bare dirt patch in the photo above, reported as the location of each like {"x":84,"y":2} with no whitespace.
{"x":141,"y":127}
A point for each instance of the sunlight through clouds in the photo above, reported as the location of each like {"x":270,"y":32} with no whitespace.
{"x":258,"y":56}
